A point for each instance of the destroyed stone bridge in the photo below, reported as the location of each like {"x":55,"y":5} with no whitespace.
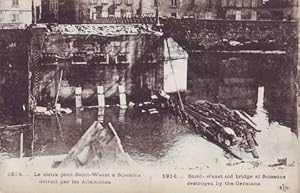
{"x":275,"y":42}
{"x":227,"y":61}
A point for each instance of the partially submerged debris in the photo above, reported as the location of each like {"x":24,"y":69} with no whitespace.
{"x":229,"y":129}
{"x":97,"y":145}
{"x":39,"y":110}
{"x":5,"y":155}
{"x":280,"y":162}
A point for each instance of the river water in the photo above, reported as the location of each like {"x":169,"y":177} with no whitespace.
{"x":157,"y":139}
{"x":149,"y":139}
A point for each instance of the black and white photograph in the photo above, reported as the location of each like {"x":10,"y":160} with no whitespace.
{"x":149,"y":96}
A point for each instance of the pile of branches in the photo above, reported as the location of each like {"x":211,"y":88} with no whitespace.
{"x":229,"y":129}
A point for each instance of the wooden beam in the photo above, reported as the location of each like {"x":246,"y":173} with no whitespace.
{"x":21,"y":143}
{"x":122,"y":96}
{"x":78,"y":101}
{"x":276,"y":52}
{"x":100,"y":95}
{"x":14,"y":127}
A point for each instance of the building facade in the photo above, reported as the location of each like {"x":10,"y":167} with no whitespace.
{"x":202,"y":9}
{"x":20,"y":11}
{"x":258,"y":9}
{"x":240,"y":9}
{"x":222,"y":9}
{"x":281,"y":9}
{"x":97,"y":11}
{"x":50,"y":10}
{"x":89,"y":11}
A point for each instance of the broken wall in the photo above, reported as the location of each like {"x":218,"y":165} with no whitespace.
{"x":224,"y":78}
{"x":87,"y":61}
{"x":233,"y":79}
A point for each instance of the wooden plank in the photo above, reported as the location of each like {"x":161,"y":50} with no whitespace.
{"x":117,"y":137}
{"x":122,"y":96}
{"x":276,"y":52}
{"x":251,"y":144}
{"x":58,"y":88}
{"x":78,"y":100}
{"x":247,"y":120}
{"x":14,"y":127}
{"x":100,"y":96}
{"x":21,"y":143}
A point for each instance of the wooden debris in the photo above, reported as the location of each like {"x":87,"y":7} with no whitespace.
{"x":97,"y":144}
{"x":220,"y":125}
{"x":14,"y":127}
{"x":280,"y":162}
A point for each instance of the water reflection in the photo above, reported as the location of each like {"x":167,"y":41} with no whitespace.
{"x":101,"y":115}
{"x":144,"y":136}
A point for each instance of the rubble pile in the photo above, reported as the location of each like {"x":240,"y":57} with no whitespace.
{"x":39,"y":110}
{"x":101,"y":30}
{"x":100,"y":145}
{"x":232,"y":130}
